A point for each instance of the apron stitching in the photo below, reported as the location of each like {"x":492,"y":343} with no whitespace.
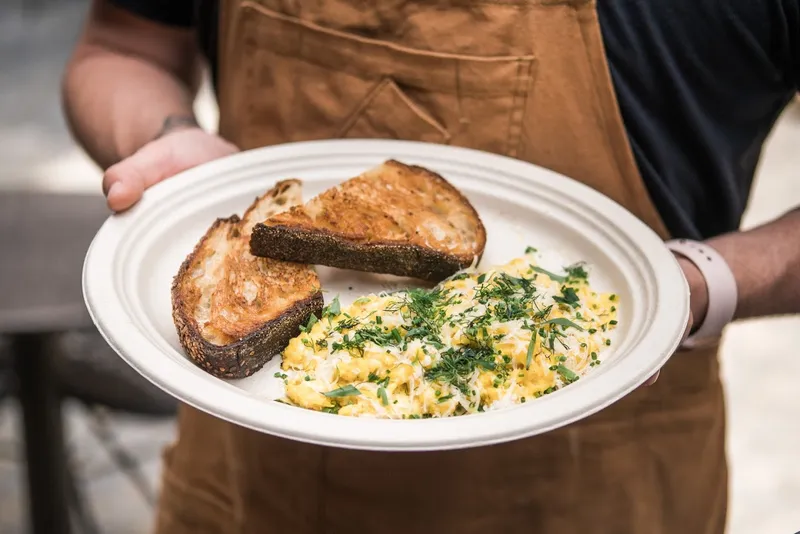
{"x":362,"y":106}
{"x":513,"y":111}
{"x":519,"y":109}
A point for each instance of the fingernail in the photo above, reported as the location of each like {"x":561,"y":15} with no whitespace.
{"x":113,"y":192}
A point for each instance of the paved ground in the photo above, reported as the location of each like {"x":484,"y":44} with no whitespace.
{"x":764,"y":407}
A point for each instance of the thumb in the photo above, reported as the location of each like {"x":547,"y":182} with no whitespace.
{"x":652,"y":380}
{"x":125,"y":182}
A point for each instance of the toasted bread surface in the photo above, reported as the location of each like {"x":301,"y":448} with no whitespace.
{"x":395,"y":219}
{"x":234,"y":311}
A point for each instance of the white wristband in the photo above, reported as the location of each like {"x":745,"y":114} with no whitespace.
{"x":722,"y":291}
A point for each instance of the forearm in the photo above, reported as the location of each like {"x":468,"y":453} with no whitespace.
{"x":126,"y":76}
{"x":115,"y":104}
{"x":766,"y":264}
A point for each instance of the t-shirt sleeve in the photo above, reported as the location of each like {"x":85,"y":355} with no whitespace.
{"x":170,"y":12}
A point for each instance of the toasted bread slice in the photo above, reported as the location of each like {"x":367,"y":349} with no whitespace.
{"x":393,"y":219}
{"x":233,"y":311}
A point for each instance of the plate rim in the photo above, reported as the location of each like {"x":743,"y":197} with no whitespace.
{"x":642,"y":237}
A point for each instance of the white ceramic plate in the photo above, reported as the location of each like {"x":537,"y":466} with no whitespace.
{"x":131,"y":262}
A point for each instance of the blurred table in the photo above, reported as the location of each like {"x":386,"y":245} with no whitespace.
{"x":43,"y":240}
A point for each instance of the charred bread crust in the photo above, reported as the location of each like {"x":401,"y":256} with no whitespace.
{"x":304,"y":243}
{"x":325,"y":248}
{"x":249,"y":354}
{"x":243,"y":357}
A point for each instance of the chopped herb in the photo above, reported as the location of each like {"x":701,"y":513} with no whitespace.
{"x":445,"y":398}
{"x":382,"y":395}
{"x":576,"y":272}
{"x":563,"y":321}
{"x":553,"y":276}
{"x":456,"y":366}
{"x":608,"y":342}
{"x":482,"y":278}
{"x":529,"y":250}
{"x":529,"y":356}
{"x":280,"y":375}
{"x":566,"y":374}
{"x":568,"y":297}
{"x":333,"y":309}
{"x":344,"y":391}
{"x":612,"y":322}
{"x":613,"y":297}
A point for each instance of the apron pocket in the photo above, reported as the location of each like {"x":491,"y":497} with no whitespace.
{"x":389,"y":112}
{"x":314,"y":82}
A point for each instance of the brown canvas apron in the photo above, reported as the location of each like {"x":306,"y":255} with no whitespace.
{"x":524,"y":78}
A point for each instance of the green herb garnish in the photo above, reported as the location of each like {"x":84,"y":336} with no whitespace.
{"x":382,"y":395}
{"x":566,"y":374}
{"x":576,"y":272}
{"x":563,"y":321}
{"x":531,"y":345}
{"x":553,"y":276}
{"x":344,"y":391}
{"x":568,"y":297}
{"x":333,"y":309}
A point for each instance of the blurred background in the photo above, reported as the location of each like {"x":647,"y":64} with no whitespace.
{"x":115,"y":455}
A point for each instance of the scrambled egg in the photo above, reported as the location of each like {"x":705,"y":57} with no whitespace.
{"x":478,"y":341}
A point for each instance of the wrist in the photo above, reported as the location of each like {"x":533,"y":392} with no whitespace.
{"x":177,"y":122}
{"x":698,"y":289}
{"x":712,"y":286}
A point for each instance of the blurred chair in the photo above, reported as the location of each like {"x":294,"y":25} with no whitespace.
{"x":55,"y":353}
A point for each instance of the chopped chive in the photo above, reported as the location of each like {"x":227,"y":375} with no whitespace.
{"x":567,"y":374}
{"x":382,"y":395}
{"x":345,"y":391}
{"x":529,"y":356}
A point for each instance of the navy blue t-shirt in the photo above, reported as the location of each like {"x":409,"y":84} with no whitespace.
{"x":700,"y":85}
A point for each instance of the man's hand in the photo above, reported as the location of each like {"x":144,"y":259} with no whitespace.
{"x":125,"y":182}
{"x":698,"y":304}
